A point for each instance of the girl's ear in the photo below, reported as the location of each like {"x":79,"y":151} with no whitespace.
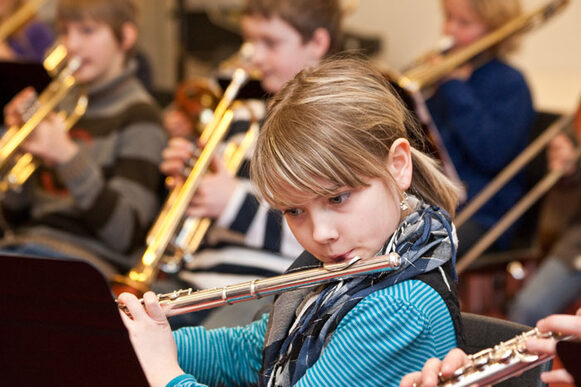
{"x":129,"y":31}
{"x":399,"y":163}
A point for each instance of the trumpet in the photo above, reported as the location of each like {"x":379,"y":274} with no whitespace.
{"x":186,"y":301}
{"x":190,"y":236}
{"x":166,"y":229}
{"x":503,"y":361}
{"x":16,"y":167}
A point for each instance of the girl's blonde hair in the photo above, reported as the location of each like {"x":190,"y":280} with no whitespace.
{"x":114,"y":13}
{"x":336,"y":123}
{"x":496,"y":13}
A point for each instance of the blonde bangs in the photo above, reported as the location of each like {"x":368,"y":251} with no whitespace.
{"x":288,"y":159}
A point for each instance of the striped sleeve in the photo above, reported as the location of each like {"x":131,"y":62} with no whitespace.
{"x":118,"y":204}
{"x":225,"y":356}
{"x":263,"y":227}
{"x":388,"y":334}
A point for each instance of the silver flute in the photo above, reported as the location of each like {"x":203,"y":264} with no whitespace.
{"x":187,"y":300}
{"x":501,"y":362}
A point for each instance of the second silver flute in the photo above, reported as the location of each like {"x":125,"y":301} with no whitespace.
{"x":185,"y":301}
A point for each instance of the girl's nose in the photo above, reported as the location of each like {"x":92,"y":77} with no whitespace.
{"x":449,"y":28}
{"x":324,"y":229}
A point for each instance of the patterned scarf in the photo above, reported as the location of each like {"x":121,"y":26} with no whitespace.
{"x":426,"y":233}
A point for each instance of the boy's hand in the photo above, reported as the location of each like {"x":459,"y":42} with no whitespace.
{"x":176,"y":158}
{"x":214,"y":191}
{"x":51,"y":142}
{"x":177,"y":124}
{"x":19,"y":107}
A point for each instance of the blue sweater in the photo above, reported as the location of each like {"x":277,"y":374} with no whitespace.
{"x":389,"y":333}
{"x":484,"y":123}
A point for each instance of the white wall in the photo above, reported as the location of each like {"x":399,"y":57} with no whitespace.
{"x":550,"y":56}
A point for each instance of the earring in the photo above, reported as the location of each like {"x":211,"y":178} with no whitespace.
{"x":403,"y":205}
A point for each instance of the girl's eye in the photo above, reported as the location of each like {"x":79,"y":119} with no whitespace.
{"x":292,"y":211}
{"x":339,"y":198}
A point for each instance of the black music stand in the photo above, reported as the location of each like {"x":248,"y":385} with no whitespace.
{"x":60,"y":326}
{"x":15,"y":76}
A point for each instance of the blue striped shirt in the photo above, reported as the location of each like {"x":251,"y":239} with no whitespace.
{"x":389,"y":333}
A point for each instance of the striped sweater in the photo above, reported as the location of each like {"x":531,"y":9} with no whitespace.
{"x":248,"y":240}
{"x":105,"y":198}
{"x":389,"y":333}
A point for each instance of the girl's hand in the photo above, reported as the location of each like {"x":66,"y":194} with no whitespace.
{"x":564,"y":324}
{"x":462,"y":73}
{"x":428,"y":376}
{"x":152,"y":339}
{"x":560,"y":154}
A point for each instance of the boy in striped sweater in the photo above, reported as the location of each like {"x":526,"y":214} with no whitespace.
{"x":248,"y":239}
{"x":96,"y":191}
{"x":334,"y":155}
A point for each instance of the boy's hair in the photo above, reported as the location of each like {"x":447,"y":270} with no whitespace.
{"x":496,"y":13}
{"x":114,"y":13}
{"x":305,"y":16}
{"x":336,"y":123}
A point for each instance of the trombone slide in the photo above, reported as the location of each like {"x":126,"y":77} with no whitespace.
{"x":427,"y":74}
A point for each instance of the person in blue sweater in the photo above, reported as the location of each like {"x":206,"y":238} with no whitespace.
{"x":483,"y":111}
{"x":334,"y":155}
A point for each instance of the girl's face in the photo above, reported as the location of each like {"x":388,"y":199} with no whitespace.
{"x":101,"y":53}
{"x":279,"y":51}
{"x":462,"y":23}
{"x":352,"y":222}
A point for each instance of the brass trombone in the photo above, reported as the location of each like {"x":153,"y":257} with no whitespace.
{"x":26,"y":12}
{"x":548,"y":181}
{"x":15,"y":166}
{"x":426,"y":74}
{"x":172,"y":229}
{"x":418,"y":79}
